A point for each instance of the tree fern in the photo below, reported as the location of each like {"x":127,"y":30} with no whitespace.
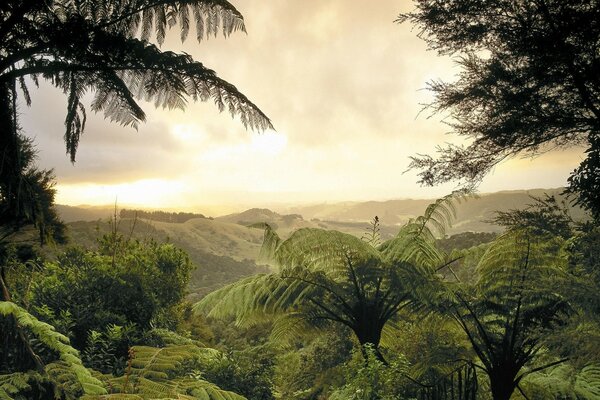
{"x":514,"y":305}
{"x":332,"y":277}
{"x":113,"y":57}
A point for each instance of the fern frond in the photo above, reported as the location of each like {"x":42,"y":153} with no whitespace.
{"x":322,"y":250}
{"x":564,"y":382}
{"x":47,"y":335}
{"x":587,"y":383}
{"x":13,"y":386}
{"x":159,"y":373}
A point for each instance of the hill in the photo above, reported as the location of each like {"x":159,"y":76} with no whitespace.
{"x":471,"y":214}
{"x":221,"y":252}
{"x":225,"y":249}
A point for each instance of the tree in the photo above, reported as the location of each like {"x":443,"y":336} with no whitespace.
{"x":529,"y":83}
{"x":332,"y":277}
{"x":26,"y":199}
{"x":510,"y":313}
{"x":141,"y":286}
{"x":102,"y":46}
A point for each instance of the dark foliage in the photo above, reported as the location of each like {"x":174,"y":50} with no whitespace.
{"x":545,"y":216}
{"x":103,"y":47}
{"x":529,"y":83}
{"x":465,"y":240}
{"x":160,"y":216}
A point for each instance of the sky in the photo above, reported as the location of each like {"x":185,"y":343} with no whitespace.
{"x":343,"y":85}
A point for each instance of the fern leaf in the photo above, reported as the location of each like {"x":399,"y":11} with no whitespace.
{"x":57,"y":342}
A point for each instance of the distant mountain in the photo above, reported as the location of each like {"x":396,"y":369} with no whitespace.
{"x":84,"y":213}
{"x":471,"y":214}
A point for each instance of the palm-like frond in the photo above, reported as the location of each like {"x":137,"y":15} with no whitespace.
{"x":68,"y":369}
{"x":160,"y":373}
{"x":566,"y":382}
{"x":516,"y":302}
{"x":415,"y":242}
{"x":103,"y":46}
{"x":329,"y":276}
{"x":319,"y":250}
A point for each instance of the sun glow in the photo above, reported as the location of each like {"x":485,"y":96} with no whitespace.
{"x":146,"y":193}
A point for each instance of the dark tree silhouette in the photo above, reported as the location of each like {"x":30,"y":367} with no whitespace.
{"x":102,"y":46}
{"x":529,"y":83}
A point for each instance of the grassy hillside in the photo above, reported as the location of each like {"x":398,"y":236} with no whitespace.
{"x":221,"y":252}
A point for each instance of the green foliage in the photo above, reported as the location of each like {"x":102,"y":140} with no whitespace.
{"x":368,"y":378}
{"x":102,"y":349}
{"x":313,"y":368}
{"x":165,"y":373}
{"x":584,"y":262}
{"x":23,"y":386}
{"x":435,"y":348}
{"x":545,"y":216}
{"x":66,"y":371}
{"x":142,"y":283}
{"x":248,"y":372}
{"x":465,"y":240}
{"x":514,"y":307}
{"x":564,"y":382}
{"x":332,"y":277}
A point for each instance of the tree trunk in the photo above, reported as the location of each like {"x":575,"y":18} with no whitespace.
{"x":502,"y":382}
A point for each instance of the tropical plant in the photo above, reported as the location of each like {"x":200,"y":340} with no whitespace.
{"x":103,"y":46}
{"x":60,"y":370}
{"x":565,"y":382}
{"x":26,"y":200}
{"x":528,"y":83}
{"x":330,"y":277}
{"x":138,"y":285}
{"x":370,"y":379}
{"x":164,"y":373}
{"x":517,"y":303}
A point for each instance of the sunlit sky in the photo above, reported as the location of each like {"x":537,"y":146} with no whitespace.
{"x":343,"y":85}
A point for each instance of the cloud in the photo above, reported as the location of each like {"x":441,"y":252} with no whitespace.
{"x":343,"y":86}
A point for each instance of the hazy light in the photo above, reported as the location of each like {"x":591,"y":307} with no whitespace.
{"x":147,"y":192}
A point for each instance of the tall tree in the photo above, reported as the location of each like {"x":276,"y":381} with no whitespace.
{"x":517,"y":303}
{"x":329,"y":276}
{"x":529,"y":82}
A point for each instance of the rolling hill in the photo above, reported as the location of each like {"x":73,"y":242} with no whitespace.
{"x":225,"y":249}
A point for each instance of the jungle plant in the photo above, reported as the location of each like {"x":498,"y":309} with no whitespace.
{"x":59,"y":371}
{"x":328,"y":277}
{"x":517,"y":303}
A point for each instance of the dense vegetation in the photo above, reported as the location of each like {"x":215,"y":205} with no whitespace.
{"x":471,"y":316}
{"x":160,"y":216}
{"x":417,"y":315}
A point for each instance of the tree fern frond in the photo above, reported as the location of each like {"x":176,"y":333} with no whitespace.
{"x":587,"y":383}
{"x":57,"y":342}
{"x":320,"y":250}
{"x":158,"y":373}
{"x":565,"y":382}
{"x":12,"y":386}
{"x":292,"y":326}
